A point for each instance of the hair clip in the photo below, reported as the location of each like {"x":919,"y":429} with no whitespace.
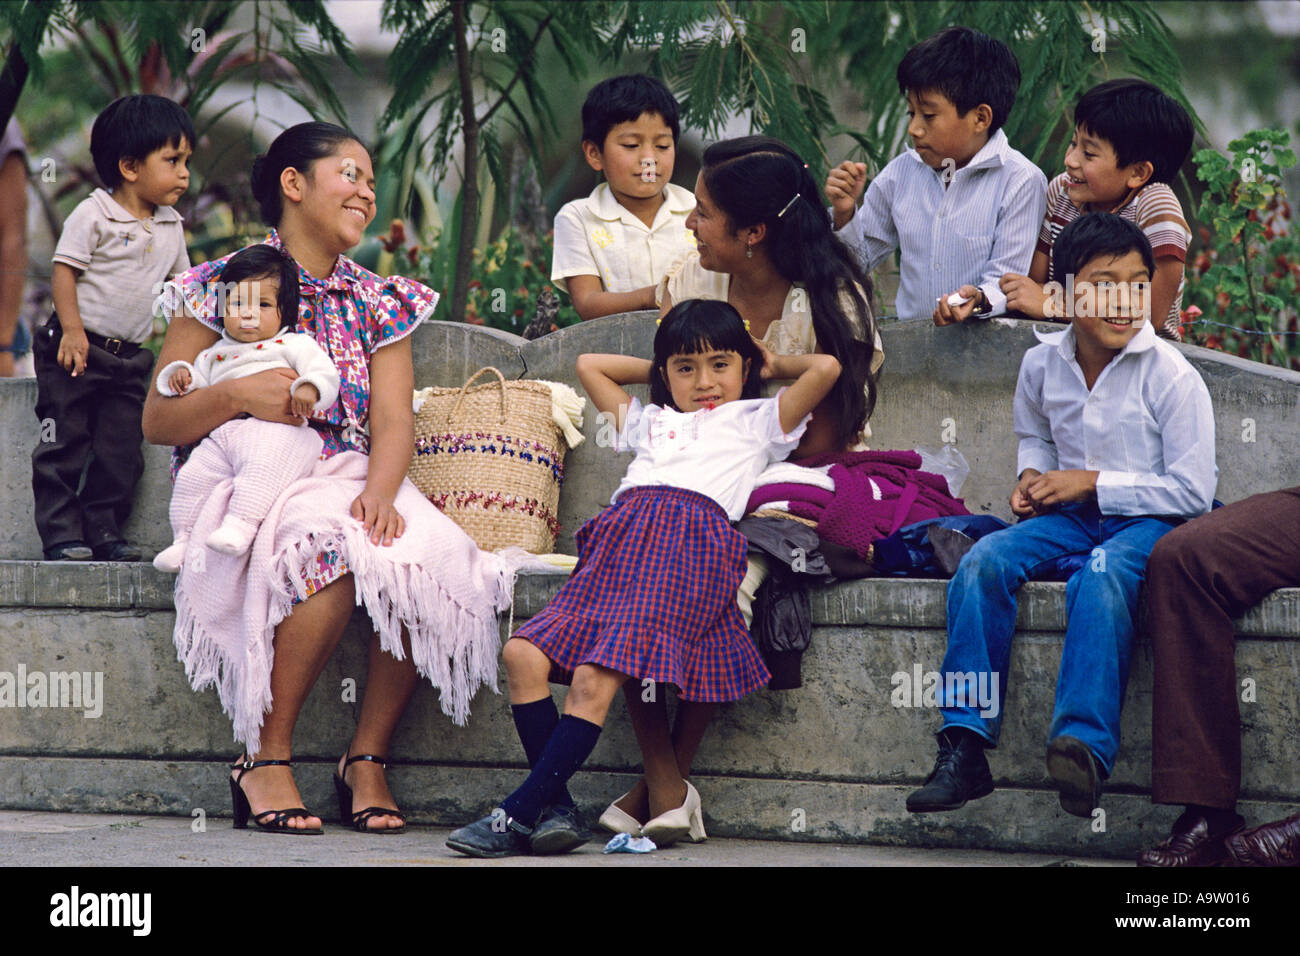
{"x":792,"y":201}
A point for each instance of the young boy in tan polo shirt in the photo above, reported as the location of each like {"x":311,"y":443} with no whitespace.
{"x":92,"y":370}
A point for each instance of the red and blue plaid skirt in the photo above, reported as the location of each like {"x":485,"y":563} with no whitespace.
{"x":653,"y":596}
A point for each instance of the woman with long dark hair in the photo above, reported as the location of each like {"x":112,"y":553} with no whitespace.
{"x":764,"y":244}
{"x":262,"y":626}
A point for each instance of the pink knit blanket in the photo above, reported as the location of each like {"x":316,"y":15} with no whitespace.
{"x":432,"y":580}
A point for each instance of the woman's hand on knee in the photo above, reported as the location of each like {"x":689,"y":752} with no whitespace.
{"x":381,"y":521}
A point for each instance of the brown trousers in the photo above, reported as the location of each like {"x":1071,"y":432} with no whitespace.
{"x":1200,"y":576}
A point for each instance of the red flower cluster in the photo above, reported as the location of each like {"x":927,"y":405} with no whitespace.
{"x":396,"y":238}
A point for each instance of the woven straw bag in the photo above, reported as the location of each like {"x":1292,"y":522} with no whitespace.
{"x":492,"y":458}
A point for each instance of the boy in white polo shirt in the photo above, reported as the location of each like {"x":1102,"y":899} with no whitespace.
{"x":92,"y":370}
{"x":613,"y":247}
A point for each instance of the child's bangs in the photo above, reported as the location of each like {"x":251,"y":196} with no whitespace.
{"x":698,"y":326}
{"x":693,"y":334}
{"x":702,"y":346}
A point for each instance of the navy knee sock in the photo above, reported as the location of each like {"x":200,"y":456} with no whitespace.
{"x":535,"y":723}
{"x":569,"y":747}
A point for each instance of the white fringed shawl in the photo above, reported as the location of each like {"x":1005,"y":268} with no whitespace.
{"x":433,"y":580}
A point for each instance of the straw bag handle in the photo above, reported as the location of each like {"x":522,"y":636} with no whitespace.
{"x":461,"y":397}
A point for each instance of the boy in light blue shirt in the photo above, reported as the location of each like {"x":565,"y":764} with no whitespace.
{"x":961,"y":204}
{"x":1116,"y":449}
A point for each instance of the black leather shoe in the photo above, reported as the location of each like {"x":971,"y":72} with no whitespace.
{"x":1078,"y":775}
{"x":117,"y":551}
{"x":1192,"y":843}
{"x":559,"y":831}
{"x":69,"y":551}
{"x":961,"y":773}
{"x":494,"y":836}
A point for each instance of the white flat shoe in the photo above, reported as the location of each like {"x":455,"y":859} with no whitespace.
{"x":615,"y":820}
{"x":684,"y":823}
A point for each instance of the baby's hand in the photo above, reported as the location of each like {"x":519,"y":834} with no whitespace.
{"x":844,"y":188}
{"x":1023,"y":295}
{"x":305,"y":397}
{"x":179,"y":381}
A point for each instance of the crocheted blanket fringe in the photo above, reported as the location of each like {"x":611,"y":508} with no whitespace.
{"x":453,"y":648}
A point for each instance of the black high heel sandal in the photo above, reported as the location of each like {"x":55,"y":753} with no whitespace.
{"x":278,"y":818}
{"x":359,"y":819}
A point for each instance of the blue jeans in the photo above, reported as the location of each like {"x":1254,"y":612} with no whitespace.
{"x":1101,"y":601}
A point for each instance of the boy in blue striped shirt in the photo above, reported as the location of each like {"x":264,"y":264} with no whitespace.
{"x":961,"y":204}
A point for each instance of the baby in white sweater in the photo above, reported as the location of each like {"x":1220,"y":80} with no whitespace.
{"x":262,"y":458}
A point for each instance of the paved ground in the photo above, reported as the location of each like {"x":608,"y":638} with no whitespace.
{"x":74,"y":839}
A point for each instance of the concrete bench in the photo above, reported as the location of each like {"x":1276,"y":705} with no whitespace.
{"x":832,"y":761}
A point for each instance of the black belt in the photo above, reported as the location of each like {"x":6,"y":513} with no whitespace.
{"x":118,"y":347}
{"x":52,"y":331}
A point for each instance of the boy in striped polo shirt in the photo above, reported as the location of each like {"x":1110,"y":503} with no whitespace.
{"x":1130,"y":139}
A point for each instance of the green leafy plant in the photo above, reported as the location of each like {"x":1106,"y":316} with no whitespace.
{"x":1063,"y":49}
{"x":505,"y":279}
{"x":1241,"y":291}
{"x":473,"y":72}
{"x":196,"y":54}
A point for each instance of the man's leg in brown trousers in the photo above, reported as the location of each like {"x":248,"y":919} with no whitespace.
{"x":1201,"y":576}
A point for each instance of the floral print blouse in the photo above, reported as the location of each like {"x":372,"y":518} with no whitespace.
{"x":350,"y":314}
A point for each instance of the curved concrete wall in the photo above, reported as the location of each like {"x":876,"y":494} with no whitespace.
{"x":952,"y":384}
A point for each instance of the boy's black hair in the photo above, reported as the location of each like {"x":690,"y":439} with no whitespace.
{"x":621,"y":99}
{"x":264,"y":262}
{"x":1141,"y":122}
{"x":1098,"y":234}
{"x":966,"y":66}
{"x":132,"y":127}
{"x":299,"y":146}
{"x":701,"y":325}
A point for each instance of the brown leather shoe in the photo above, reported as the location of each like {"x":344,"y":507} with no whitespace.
{"x":1273,"y":844}
{"x":1195,"y":846}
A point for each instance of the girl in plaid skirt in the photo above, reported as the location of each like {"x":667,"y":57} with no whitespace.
{"x":653,"y":597}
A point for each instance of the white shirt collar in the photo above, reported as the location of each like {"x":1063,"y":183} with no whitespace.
{"x":1067,"y":347}
{"x":115,"y":211}
{"x":605,"y":205}
{"x":993,"y":153}
{"x":228,"y":339}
